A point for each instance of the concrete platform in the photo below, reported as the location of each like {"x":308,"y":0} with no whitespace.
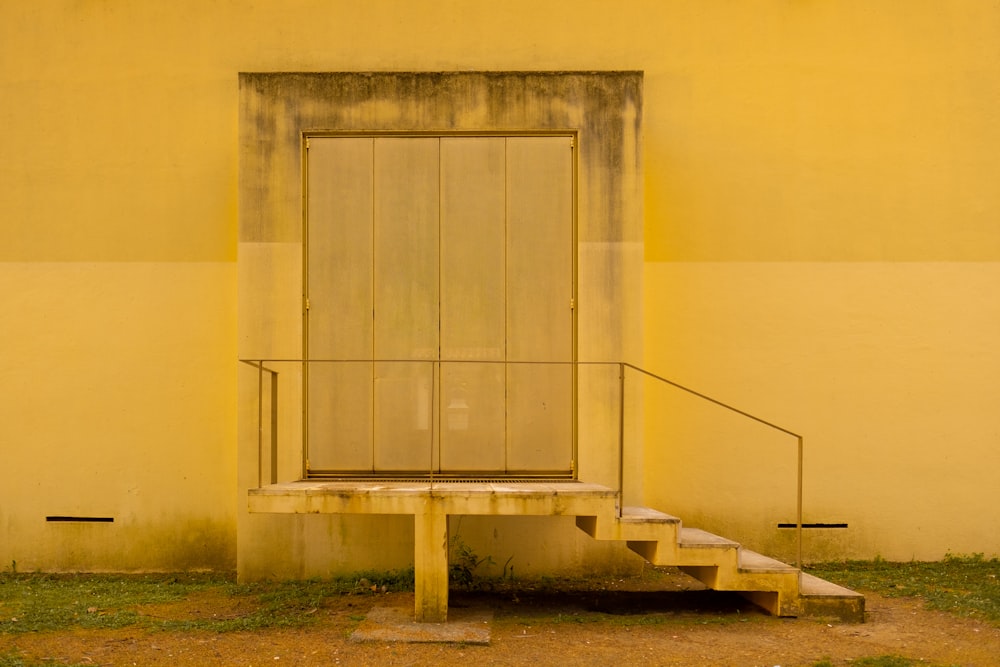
{"x":660,"y":538}
{"x":362,"y":496}
{"x":431,"y":503}
{"x":396,"y":624}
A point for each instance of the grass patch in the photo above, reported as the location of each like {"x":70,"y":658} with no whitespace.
{"x":11,"y":660}
{"x":964,"y":585}
{"x":875,"y":661}
{"x":883,"y":661}
{"x":47,"y":602}
{"x":43,"y":602}
{"x":15,"y":660}
{"x":967,"y":585}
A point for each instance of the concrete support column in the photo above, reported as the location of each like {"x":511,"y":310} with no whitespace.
{"x":430,"y":564}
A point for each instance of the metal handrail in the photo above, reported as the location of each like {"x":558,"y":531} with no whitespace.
{"x":259,"y":365}
{"x":261,"y":369}
{"x":799,"y":440}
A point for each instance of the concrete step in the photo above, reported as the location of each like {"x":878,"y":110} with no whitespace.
{"x":696,"y":538}
{"x":722,"y":564}
{"x":646,"y":515}
{"x":646,"y":524}
{"x":819,"y":598}
{"x":634,"y":524}
{"x":751,"y":561}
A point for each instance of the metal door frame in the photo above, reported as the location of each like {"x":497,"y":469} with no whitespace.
{"x":573,"y":135}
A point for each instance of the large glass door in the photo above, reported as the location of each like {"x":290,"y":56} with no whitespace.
{"x":439,"y":326}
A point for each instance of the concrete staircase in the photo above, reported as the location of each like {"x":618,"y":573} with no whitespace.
{"x":659,"y":538}
{"x":724,"y":565}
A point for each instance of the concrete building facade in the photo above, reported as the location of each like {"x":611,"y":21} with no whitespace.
{"x":812,"y":199}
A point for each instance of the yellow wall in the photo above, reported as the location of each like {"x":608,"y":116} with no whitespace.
{"x":821,"y":249}
{"x":889,"y":372}
{"x":118,"y":402}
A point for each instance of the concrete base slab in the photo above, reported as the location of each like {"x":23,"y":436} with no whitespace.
{"x":396,"y":624}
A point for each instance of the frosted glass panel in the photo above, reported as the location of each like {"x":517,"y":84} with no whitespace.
{"x":432,"y":261}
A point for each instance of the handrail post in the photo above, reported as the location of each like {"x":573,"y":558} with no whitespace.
{"x":435,"y":406}
{"x":260,"y":424}
{"x":274,"y":426}
{"x":798,"y":507}
{"x":304,"y":409}
{"x":799,"y":438}
{"x":621,"y":437}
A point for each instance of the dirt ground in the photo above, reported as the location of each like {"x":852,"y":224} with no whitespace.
{"x":613,"y":624}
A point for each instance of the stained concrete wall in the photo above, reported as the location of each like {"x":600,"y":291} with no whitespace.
{"x":820,"y":249}
{"x":276,"y":110}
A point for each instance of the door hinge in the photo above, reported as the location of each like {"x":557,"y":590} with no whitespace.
{"x":572,"y":304}
{"x":307,"y":143}
{"x":307,"y":303}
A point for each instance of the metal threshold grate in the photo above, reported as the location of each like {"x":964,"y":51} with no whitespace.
{"x":449,"y":480}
